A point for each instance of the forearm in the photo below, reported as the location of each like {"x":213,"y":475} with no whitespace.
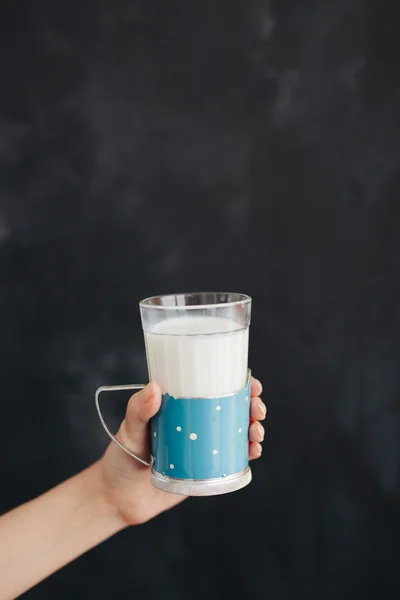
{"x":39,"y":537}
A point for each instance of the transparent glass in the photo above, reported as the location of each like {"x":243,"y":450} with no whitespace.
{"x":197,"y":344}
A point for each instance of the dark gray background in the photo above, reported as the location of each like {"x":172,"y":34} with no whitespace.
{"x":159,"y":146}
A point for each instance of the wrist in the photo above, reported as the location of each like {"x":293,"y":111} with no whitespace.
{"x":103,"y":505}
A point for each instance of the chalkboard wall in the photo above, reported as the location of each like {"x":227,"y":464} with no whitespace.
{"x":159,"y":146}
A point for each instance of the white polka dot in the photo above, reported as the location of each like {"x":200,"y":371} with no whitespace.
{"x":193,"y":436}
{"x":247,"y":398}
{"x":215,"y":451}
{"x":179,"y":428}
{"x":240,"y":430}
{"x":171,"y":466}
{"x":218,"y":407}
{"x":155,"y":435}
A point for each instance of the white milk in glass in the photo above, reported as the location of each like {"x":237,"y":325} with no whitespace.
{"x":188,"y":360}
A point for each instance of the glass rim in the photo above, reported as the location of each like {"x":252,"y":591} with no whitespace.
{"x":240,"y":299}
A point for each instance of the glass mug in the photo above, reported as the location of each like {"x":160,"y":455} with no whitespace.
{"x":197,"y":352}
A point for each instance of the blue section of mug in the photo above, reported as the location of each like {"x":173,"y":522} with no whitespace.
{"x":201,"y":438}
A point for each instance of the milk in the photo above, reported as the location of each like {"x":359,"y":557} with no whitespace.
{"x":188,"y":360}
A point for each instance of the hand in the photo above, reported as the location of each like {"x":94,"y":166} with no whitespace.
{"x":127,"y":482}
{"x":43,"y":535}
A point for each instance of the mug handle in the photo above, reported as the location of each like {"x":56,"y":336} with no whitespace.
{"x":116,"y":388}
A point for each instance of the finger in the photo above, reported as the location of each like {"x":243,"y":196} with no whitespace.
{"x":258,"y":410}
{"x":255,"y":450}
{"x":141,"y":407}
{"x":256,"y":387}
{"x":256,"y":432}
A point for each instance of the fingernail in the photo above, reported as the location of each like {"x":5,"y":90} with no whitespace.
{"x":262,"y":407}
{"x":260,"y":430}
{"x":259,"y":447}
{"x":259,"y":383}
{"x":148,"y":392}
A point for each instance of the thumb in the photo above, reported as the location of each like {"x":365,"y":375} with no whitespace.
{"x":142,"y":406}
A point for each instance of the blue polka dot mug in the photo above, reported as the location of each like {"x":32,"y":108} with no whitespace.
{"x":197,"y":351}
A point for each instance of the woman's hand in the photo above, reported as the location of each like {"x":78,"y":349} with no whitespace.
{"x":43,"y":535}
{"x":127,"y":482}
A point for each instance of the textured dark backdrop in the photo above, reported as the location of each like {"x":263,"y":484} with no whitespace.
{"x":155,"y":146}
